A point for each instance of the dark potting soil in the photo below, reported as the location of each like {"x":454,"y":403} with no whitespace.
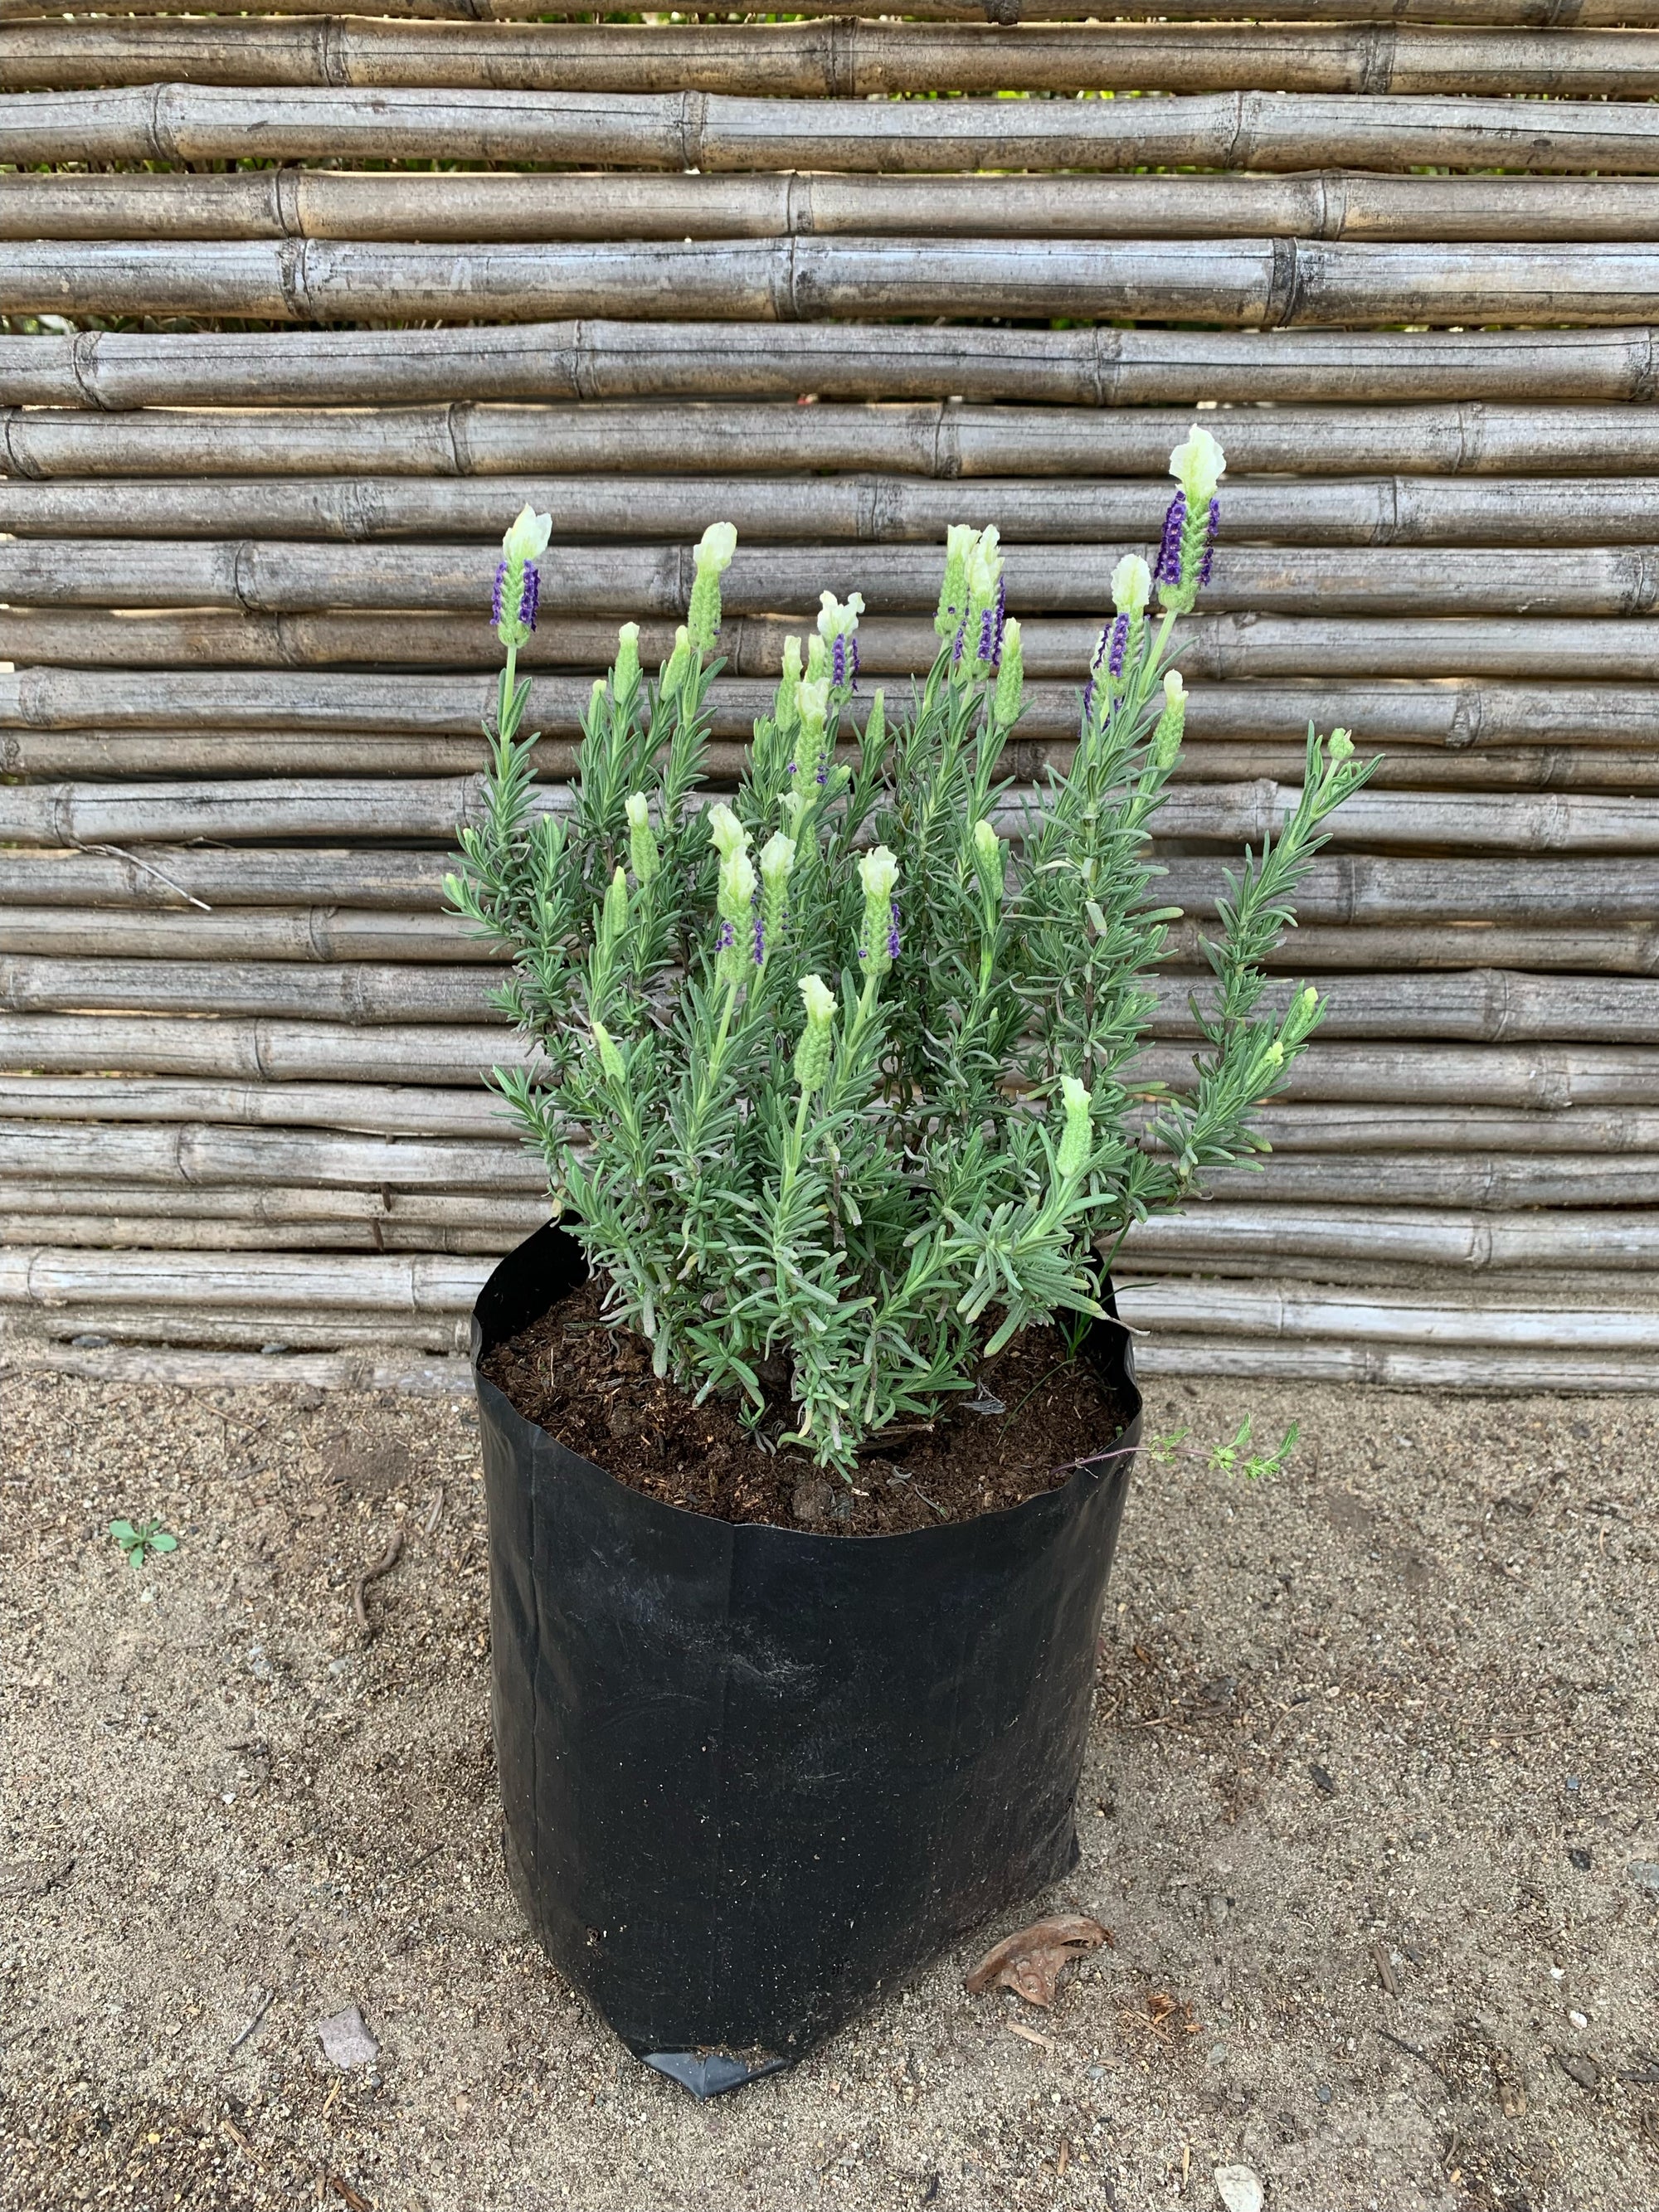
{"x":590,"y":1386}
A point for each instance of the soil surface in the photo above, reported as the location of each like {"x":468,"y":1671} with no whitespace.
{"x":1040,"y":1412}
{"x":1369,"y":1810}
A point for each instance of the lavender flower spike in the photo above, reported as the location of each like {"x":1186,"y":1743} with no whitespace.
{"x":517,"y":593}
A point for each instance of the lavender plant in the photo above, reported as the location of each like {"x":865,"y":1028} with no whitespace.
{"x":836,"y":1082}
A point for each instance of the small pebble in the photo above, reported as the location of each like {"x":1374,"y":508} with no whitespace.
{"x":1217,"y":1907}
{"x":1579,"y":2018}
{"x":1324,"y":2092}
{"x":1644,"y":1873}
{"x":1322,"y":1781}
{"x":1239,"y":2188}
{"x":1584,"y":2071}
{"x":1579,"y":1858}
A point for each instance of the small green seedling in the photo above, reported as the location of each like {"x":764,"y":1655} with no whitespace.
{"x":140,"y":1543}
{"x":1236,"y":1457}
{"x":1233,"y":1457}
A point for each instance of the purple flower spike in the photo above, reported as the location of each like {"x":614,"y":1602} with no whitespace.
{"x":1120,"y":644}
{"x":530,"y":598}
{"x":496,"y":596}
{"x":893,"y":931}
{"x":726,"y":939}
{"x":987,"y":634}
{"x":760,"y":942}
{"x":855,"y":661}
{"x":838,"y":661}
{"x":1208,"y":562}
{"x":1168,"y":567}
{"x":955,"y":650}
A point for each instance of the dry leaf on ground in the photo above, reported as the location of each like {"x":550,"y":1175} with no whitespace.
{"x":1029,"y":1961}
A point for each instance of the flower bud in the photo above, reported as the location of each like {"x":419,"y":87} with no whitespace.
{"x":713,"y":557}
{"x":990,"y":859}
{"x":1171,"y":723}
{"x":879,"y":936}
{"x":626,"y":674}
{"x":1076,"y":1140}
{"x":818,"y":660}
{"x":1009,"y":698}
{"x":953,"y":592}
{"x":643,"y":856}
{"x":1132,"y":585}
{"x":1198,"y":465}
{"x":734,"y":901}
{"x":1342,"y":745}
{"x":810,"y":765}
{"x":517,"y":593}
{"x":728,"y":834}
{"x":677,"y":666}
{"x":616,"y":905}
{"x":527,"y":536}
{"x":812,"y":1053}
{"x":838,"y":625}
{"x":610,"y":1058}
{"x":777,"y":859}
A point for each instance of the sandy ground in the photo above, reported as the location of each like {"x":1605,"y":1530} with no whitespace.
{"x":1370,"y":1812}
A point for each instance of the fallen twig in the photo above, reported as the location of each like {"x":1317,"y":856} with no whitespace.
{"x":260,"y":2010}
{"x":430,"y":1526}
{"x":1412,"y":2050}
{"x":382,"y":1566}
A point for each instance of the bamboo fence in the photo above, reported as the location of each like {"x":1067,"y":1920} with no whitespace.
{"x":376,"y":281}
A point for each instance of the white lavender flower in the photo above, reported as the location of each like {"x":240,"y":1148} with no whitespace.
{"x":713,"y":558}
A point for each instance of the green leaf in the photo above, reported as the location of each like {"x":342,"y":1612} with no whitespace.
{"x":164,"y":1543}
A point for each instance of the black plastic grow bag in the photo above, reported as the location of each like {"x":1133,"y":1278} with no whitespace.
{"x":754,"y":1776}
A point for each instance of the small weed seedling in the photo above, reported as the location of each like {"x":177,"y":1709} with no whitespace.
{"x":141,"y":1543}
{"x":1233,"y":1457}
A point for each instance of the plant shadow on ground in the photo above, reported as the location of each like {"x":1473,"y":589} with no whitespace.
{"x":1369,"y":1812}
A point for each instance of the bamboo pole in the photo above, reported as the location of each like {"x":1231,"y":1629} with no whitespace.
{"x":1539,"y":1077}
{"x":1602,"y":1239}
{"x":937,"y":438}
{"x":260,"y":812}
{"x":1430,"y":1181}
{"x":1359,"y":512}
{"x":1516,"y":13}
{"x":419,"y":1220}
{"x":600,"y":360}
{"x":260,"y":1050}
{"x":400,"y":1284}
{"x":1217,"y":648}
{"x":94,"y":1102}
{"x":1477,"y":1005}
{"x":352,"y":992}
{"x":320,"y":934}
{"x":186,"y":1232}
{"x":1238,"y":283}
{"x":132,"y":1368}
{"x":99,"y":755}
{"x":372,"y":1109}
{"x":1486,"y":1182}
{"x":1285,"y":1310}
{"x":189,"y":1154}
{"x":835,"y":60}
{"x":314,"y":935}
{"x":710,"y":132}
{"x":468,"y":207}
{"x":1521,"y":1374}
{"x":1480,"y":1005}
{"x":1357,"y":1130}
{"x":1341,"y":889}
{"x":176,"y":876}
{"x":1533,"y":1075}
{"x":43,"y":1335}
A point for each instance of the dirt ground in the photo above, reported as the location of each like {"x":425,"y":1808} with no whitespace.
{"x":1370,"y":1812}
